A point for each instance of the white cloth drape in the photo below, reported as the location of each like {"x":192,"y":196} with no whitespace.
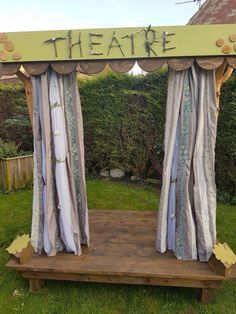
{"x":59,"y":202}
{"x":61,"y":174}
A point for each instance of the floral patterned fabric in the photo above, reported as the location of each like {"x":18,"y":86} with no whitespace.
{"x":191,"y":121}
{"x":75,"y":131}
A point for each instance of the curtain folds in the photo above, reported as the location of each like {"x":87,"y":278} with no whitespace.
{"x":60,"y":213}
{"x":187,"y":214}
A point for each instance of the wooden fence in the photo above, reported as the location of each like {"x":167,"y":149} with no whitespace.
{"x":16,"y":172}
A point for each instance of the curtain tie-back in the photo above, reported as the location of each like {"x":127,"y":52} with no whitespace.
{"x":55,"y":105}
{"x":60,"y":160}
{"x":56,"y":133}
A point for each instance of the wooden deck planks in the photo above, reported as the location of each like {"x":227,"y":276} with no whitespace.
{"x":122,"y":251}
{"x":126,"y":266}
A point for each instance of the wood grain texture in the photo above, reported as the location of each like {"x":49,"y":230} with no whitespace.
{"x":210,"y":63}
{"x":9,"y":68}
{"x":35,"y":68}
{"x":150,"y":65}
{"x":152,"y":281}
{"x":64,"y":67}
{"x":92,"y":67}
{"x":180,"y":64}
{"x":122,"y":251}
{"x":231,"y":62}
{"x":121,"y":66}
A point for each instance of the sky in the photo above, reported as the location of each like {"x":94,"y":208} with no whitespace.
{"x":25,"y":15}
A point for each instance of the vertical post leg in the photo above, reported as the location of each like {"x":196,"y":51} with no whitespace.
{"x":36,"y":284}
{"x":206,"y":295}
{"x":28,"y":92}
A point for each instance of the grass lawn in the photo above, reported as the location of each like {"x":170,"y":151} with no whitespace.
{"x":74,"y":297}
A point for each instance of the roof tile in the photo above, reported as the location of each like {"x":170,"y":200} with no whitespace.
{"x":215,"y":12}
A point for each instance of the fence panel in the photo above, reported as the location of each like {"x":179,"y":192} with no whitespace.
{"x":16,"y":172}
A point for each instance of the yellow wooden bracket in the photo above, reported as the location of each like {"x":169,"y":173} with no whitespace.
{"x":18,"y":244}
{"x":21,"y":249}
{"x":224,"y":254}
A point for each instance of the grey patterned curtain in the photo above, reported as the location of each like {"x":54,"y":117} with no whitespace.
{"x":187,"y":214}
{"x":60,"y":213}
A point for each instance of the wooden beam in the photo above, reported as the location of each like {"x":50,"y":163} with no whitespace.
{"x":123,"y":279}
{"x":119,"y":43}
{"x":24,"y":77}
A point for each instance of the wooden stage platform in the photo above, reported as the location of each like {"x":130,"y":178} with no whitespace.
{"x":122,"y":251}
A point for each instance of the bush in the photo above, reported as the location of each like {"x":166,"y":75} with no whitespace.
{"x":8,"y":149}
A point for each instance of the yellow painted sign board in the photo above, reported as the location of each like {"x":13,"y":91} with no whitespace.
{"x":119,"y":43}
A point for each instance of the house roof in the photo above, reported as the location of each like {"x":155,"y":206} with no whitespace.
{"x":215,"y":12}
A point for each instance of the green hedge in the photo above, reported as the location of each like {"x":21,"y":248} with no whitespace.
{"x":124,"y":126}
{"x":14,"y":120}
{"x":123,"y":122}
{"x":124,"y":119}
{"x":226,"y":142}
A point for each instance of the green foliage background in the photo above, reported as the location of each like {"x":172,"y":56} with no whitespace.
{"x":124,"y":118}
{"x":226,"y":142}
{"x":123,"y":122}
{"x":14,"y":120}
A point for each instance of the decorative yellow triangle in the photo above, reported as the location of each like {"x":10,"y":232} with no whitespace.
{"x":224,"y":253}
{"x":19,"y":244}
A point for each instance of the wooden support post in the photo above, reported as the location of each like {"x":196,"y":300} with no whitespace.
{"x":206,"y":295}
{"x":28,"y":92}
{"x":223,"y":73}
{"x":36,"y":284}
